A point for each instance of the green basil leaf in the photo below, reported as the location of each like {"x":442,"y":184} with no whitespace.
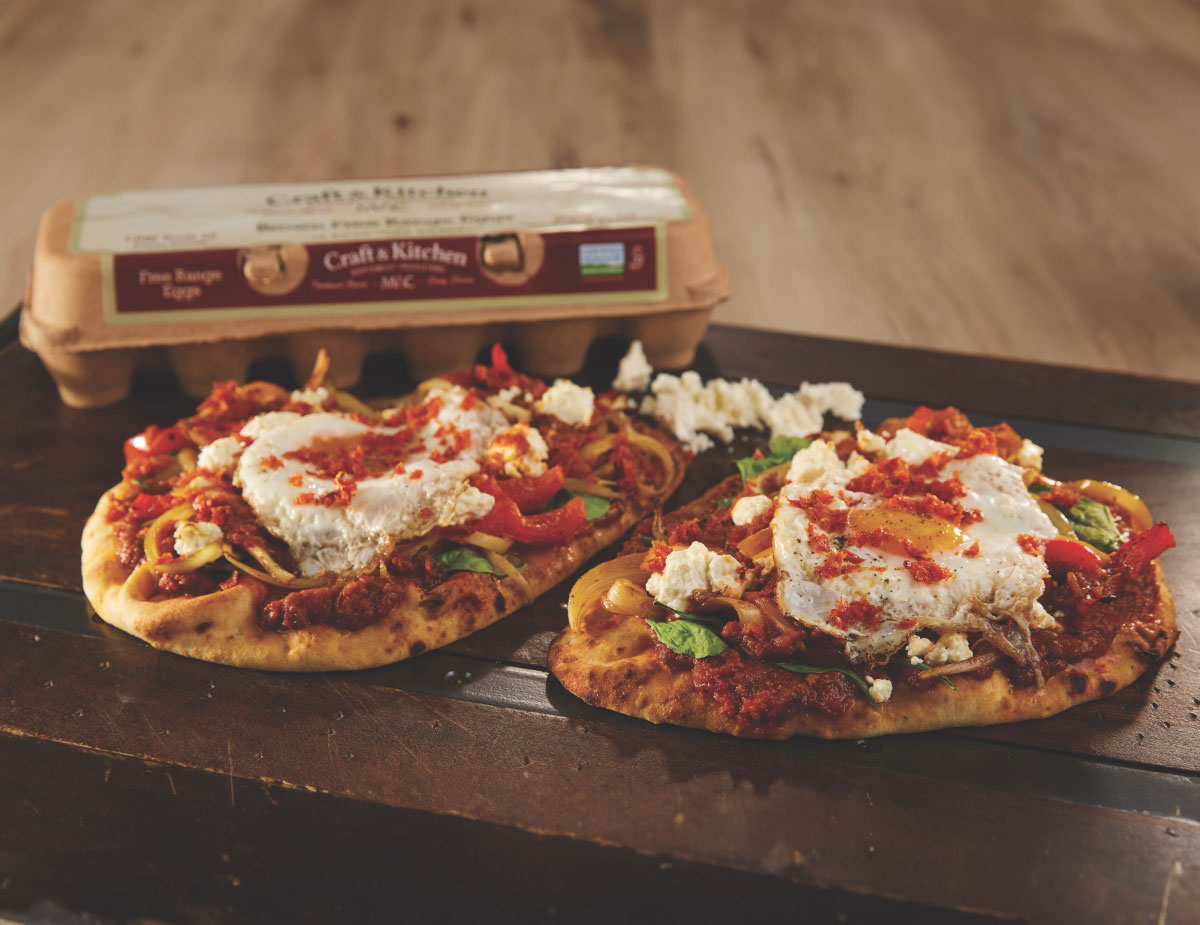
{"x":515,"y":559}
{"x":799,"y":668}
{"x":782,"y":450}
{"x":688,"y":637}
{"x":462,"y":559}
{"x":596,"y":506}
{"x":1093,"y":523}
{"x":1039,"y":489}
{"x":724,"y":504}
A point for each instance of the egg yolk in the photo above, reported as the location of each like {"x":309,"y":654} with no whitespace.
{"x":904,"y":533}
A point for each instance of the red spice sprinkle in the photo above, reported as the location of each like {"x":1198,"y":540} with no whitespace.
{"x":1030,"y":544}
{"x":926,"y":571}
{"x":1061,"y":496}
{"x":842,"y":562}
{"x":845,"y":614}
{"x":272,"y":463}
{"x":906,"y":624}
{"x":973,"y":551}
{"x":885,"y":539}
{"x":933,"y":506}
{"x":817,"y":541}
{"x":415,"y":474}
{"x":296,"y":479}
{"x":655,"y":559}
{"x":425,"y":513}
{"x":817,"y":507}
{"x":470,"y":401}
{"x":340,"y":496}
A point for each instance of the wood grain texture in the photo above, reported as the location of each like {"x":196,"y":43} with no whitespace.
{"x":1011,"y":179}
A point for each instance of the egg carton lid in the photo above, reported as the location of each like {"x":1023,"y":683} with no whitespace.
{"x":169,"y":267}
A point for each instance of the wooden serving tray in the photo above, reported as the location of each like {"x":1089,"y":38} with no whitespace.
{"x":138,"y":784}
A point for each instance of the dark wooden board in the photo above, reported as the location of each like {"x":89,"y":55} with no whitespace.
{"x":476,"y":739}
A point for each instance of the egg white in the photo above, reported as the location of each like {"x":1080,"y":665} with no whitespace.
{"x":384,"y":509}
{"x":1003,"y":582}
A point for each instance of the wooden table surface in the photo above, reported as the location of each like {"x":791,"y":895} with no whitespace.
{"x":1016,"y":179}
{"x":467,"y":782}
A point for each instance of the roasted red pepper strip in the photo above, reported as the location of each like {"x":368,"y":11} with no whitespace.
{"x":500,"y":359}
{"x":534,"y":492}
{"x":155,"y":441}
{"x":1143,"y":548}
{"x":1064,"y":556}
{"x":149,"y":506}
{"x":505,"y":519}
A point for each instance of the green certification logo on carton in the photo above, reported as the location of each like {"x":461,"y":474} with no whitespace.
{"x":602,"y":259}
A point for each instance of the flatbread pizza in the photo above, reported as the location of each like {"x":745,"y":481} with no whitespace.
{"x":921,"y":576}
{"x":307,"y":531}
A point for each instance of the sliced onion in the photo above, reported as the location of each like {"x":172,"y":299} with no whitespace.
{"x":769,"y":480}
{"x":187,"y":459}
{"x":488,"y":542}
{"x":656,"y":448}
{"x":592,"y":451}
{"x":265,"y":392}
{"x":974,"y":663}
{"x":177,"y":513}
{"x":210,"y":553}
{"x":294,"y":584}
{"x":600,"y":488}
{"x":347,"y":402}
{"x":508,"y":569}
{"x":626,"y":596}
{"x":267,"y":561}
{"x":755,"y":543}
{"x":320,"y":368}
{"x":594,"y":584}
{"x":436,"y":383}
{"x":746,"y":611}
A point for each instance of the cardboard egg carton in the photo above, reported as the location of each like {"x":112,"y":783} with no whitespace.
{"x":210,"y":280}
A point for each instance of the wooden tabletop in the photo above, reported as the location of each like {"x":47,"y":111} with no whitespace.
{"x":1014,"y":179}
{"x":467,"y":782}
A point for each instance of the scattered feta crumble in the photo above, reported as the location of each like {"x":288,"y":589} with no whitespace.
{"x":694,"y":409}
{"x":315,"y":397}
{"x":220,"y":456}
{"x":1030,"y":455}
{"x":748,"y":510}
{"x":950,"y":647}
{"x":192,"y":536}
{"x":570,"y":403}
{"x":696,"y":568}
{"x":257,"y":426}
{"x":870,"y":442}
{"x":634,"y":372}
{"x":471,"y":504}
{"x":881,"y":689}
{"x":519,"y":451}
{"x":917,"y":647}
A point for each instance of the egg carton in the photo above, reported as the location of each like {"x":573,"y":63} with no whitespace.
{"x":545,"y":261}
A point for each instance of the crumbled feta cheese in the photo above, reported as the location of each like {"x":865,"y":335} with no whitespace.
{"x":951,"y":647}
{"x":881,"y":689}
{"x":192,"y":536}
{"x":840,"y":399}
{"x":570,"y":403}
{"x":634,"y":371}
{"x":693,"y":409}
{"x":220,"y":456}
{"x":870,"y":442}
{"x":791,"y":417}
{"x":816,"y":464}
{"x":315,"y":397}
{"x":696,"y":568}
{"x":519,"y":451}
{"x":471,"y":504}
{"x":857,"y":465}
{"x":747,"y":510}
{"x":917,"y":647}
{"x":257,"y":426}
{"x":1030,"y":455}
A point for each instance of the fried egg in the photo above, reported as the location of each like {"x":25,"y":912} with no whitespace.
{"x":920,"y":565}
{"x":289,"y":475}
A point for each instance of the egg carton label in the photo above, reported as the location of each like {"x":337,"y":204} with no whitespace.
{"x":406,"y":274}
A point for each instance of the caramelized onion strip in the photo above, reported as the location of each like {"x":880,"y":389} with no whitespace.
{"x":595,"y":583}
{"x":508,"y":569}
{"x":600,"y":488}
{"x":626,"y":596}
{"x":974,"y":663}
{"x":488,"y":542}
{"x":293,"y":584}
{"x":756,"y":543}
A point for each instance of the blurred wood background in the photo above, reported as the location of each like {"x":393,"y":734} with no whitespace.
{"x":1018,"y":179}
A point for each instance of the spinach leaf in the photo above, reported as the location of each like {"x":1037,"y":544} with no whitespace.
{"x":1093,"y":523}
{"x":596,"y":506}
{"x":782,"y":449}
{"x":799,"y":668}
{"x":688,"y":637}
{"x":645,"y":538}
{"x":1039,"y":489}
{"x":462,"y":559}
{"x":724,"y":504}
